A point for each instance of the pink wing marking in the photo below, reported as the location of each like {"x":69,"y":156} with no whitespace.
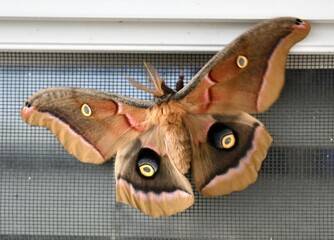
{"x":130,"y":120}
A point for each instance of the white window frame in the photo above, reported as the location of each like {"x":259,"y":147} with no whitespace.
{"x":152,"y":25}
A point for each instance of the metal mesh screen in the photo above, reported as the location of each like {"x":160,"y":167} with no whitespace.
{"x":45,"y":193}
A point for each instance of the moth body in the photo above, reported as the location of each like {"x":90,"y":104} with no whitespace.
{"x":174,"y":136}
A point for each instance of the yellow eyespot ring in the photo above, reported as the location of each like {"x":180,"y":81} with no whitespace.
{"x":242,"y":61}
{"x":228,"y":141}
{"x":86,"y":110}
{"x":146,"y":170}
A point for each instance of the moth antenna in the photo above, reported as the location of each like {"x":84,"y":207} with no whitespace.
{"x":159,"y":84}
{"x":143,"y":88}
{"x":155,"y":78}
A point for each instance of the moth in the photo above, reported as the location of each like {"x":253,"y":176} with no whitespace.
{"x":204,"y":126}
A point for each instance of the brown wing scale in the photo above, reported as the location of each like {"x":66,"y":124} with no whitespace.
{"x":220,"y":171}
{"x":247,"y":75}
{"x":92,"y":137}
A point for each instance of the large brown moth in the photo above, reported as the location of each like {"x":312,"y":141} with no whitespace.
{"x":203,"y":126}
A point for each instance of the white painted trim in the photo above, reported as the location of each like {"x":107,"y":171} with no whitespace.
{"x":151,"y":25}
{"x":167,"y":10}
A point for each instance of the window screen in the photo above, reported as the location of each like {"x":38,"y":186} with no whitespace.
{"x":45,"y":193}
